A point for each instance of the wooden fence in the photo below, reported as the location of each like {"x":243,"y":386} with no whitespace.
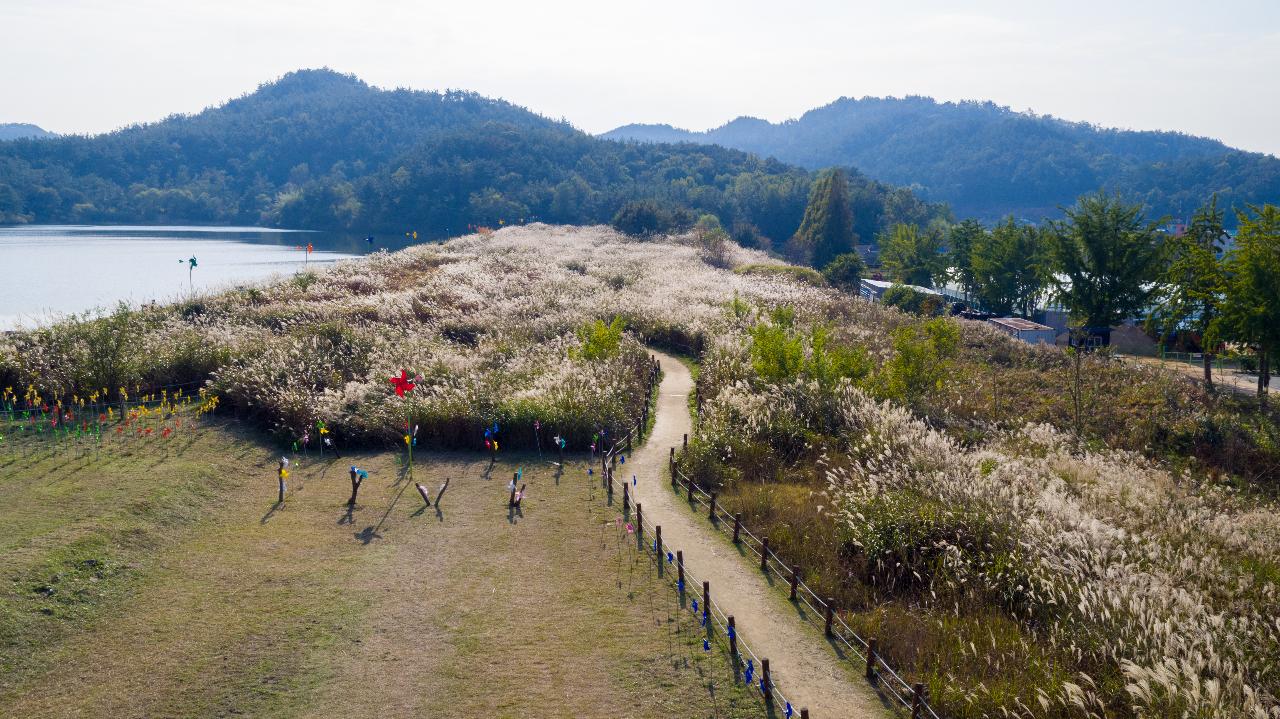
{"x":753,"y":668}
{"x":875,"y":669}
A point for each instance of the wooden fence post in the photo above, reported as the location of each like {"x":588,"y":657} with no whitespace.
{"x":764,"y":555}
{"x":626,"y":497}
{"x":804,"y":714}
{"x":628,"y":443}
{"x":766,"y":684}
{"x":733,"y":638}
{"x":657,"y":542}
{"x":355,"y":487}
{"x":872,"y":645}
{"x":639,"y":521}
{"x":917,"y":700}
{"x":831,"y":613}
{"x":691,"y":490}
{"x":706,"y":597}
{"x":686,"y":440}
{"x":711,"y":512}
{"x":680,"y":568}
{"x":795,"y":580}
{"x":737,"y":526}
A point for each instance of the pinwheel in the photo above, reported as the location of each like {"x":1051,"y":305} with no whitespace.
{"x":403,"y":384}
{"x":191,"y":265}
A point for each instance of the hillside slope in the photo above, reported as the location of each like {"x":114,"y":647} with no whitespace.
{"x":21,"y":130}
{"x":321,"y":150}
{"x":988,"y":161}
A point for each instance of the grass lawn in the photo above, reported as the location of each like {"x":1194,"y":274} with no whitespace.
{"x":160,"y":579}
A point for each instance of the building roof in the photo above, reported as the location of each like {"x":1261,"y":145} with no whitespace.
{"x":1019,"y":325}
{"x":883,"y":285}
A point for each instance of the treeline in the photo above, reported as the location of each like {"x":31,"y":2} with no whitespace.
{"x":320,"y":150}
{"x":1103,"y":261}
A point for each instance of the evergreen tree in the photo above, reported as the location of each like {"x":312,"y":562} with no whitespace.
{"x":1110,"y":257}
{"x":826,"y":230}
{"x":1193,"y":283}
{"x":913,"y":256}
{"x":1008,"y":266}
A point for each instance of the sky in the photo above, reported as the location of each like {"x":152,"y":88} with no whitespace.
{"x":75,"y":66}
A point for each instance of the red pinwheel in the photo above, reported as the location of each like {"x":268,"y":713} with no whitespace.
{"x":402,"y":383}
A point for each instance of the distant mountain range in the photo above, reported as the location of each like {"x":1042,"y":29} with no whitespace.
{"x":22,"y":130}
{"x":988,"y":161}
{"x":321,"y":150}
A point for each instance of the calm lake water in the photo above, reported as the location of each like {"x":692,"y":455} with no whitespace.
{"x":54,"y":270}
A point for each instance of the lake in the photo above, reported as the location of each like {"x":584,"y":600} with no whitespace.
{"x":55,"y":270}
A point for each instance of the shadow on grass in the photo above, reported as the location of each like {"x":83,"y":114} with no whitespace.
{"x":271,"y":512}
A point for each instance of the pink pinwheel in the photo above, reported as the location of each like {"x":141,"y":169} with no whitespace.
{"x":402,"y":383}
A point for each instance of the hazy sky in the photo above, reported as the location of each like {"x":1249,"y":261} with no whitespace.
{"x":1200,"y":67}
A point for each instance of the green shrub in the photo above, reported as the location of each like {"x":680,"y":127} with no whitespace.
{"x":643,"y":218}
{"x":921,"y":357}
{"x":845,"y":271}
{"x":600,"y":341}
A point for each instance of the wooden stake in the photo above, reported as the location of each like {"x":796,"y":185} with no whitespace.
{"x":737,"y":526}
{"x":917,"y":700}
{"x":831,"y":613}
{"x":426,"y":496}
{"x":872,"y":645}
{"x":711,"y":512}
{"x":733,"y":637}
{"x":795,"y":581}
{"x":680,"y":566}
{"x":639,"y":520}
{"x":764,"y":555}
{"x":706,"y":597}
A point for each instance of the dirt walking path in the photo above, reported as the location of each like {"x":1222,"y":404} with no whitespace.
{"x":807,"y":671}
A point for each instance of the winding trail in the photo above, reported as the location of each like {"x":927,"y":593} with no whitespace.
{"x":806,"y":670}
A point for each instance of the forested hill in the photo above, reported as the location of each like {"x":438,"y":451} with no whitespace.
{"x":19,"y":130}
{"x":321,"y":150}
{"x":988,"y":161}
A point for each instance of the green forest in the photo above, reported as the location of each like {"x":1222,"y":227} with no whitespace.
{"x":988,"y":161}
{"x":320,"y":150}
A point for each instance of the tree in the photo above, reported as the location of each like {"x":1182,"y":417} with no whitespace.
{"x":1193,"y":284}
{"x":647,"y":217}
{"x":960,"y":243}
{"x":1008,"y":267}
{"x":845,"y":271}
{"x":912,"y":256}
{"x":1251,"y":313}
{"x":713,"y":241}
{"x":1110,"y":258}
{"x":826,"y":230}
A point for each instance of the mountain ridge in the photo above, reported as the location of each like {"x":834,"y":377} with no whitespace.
{"x":22,"y":131}
{"x":987,"y":160}
{"x":317,"y":149}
